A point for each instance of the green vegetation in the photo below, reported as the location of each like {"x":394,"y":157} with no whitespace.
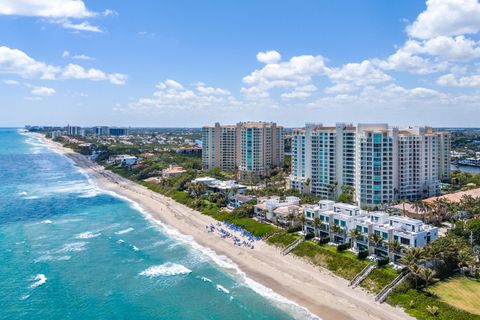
{"x":460,"y":292}
{"x":282,"y":239}
{"x":418,"y":303}
{"x":344,"y":264}
{"x":379,"y":278}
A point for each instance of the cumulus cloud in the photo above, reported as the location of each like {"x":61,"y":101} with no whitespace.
{"x":172,"y":94}
{"x":45,"y":9}
{"x":43,"y":91}
{"x":446,"y":18}
{"x":74,"y":71}
{"x":14,"y":61}
{"x":299,"y":70}
{"x":353,"y":75}
{"x":463,"y":81}
{"x":61,"y":12}
{"x":269,"y":57}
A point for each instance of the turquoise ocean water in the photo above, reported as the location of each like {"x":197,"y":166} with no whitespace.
{"x":71,"y":251}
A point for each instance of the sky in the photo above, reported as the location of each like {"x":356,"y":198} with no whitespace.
{"x":191,"y":63}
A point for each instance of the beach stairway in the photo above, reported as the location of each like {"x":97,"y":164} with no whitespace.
{"x":382,"y":295}
{"x":292,"y":246}
{"x":362,"y":275}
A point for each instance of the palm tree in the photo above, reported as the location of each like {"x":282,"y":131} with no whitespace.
{"x":301,"y":218}
{"x":415,"y":271}
{"x":375,"y":239}
{"x":353,"y":234}
{"x":427,"y":275}
{"x":412,"y":256}
{"x":435,"y":253}
{"x":334,"y":229}
{"x":395,"y":246}
{"x":464,"y":259}
{"x":291,"y":218}
{"x":316,"y":224}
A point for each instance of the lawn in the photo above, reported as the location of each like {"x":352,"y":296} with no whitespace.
{"x":460,"y":292}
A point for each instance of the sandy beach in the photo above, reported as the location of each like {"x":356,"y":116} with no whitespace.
{"x":316,"y":289}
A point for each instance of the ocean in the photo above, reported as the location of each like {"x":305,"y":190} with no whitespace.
{"x":69,"y":250}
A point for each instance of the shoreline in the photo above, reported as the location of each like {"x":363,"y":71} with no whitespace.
{"x":315,"y":289}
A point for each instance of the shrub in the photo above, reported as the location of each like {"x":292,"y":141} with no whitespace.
{"x":382,"y":262}
{"x":309,"y":236}
{"x":363,"y":254}
{"x":293,"y":229}
{"x":343,"y":247}
{"x":324,"y":240}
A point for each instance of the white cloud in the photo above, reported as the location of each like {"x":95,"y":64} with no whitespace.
{"x":82,"y":26}
{"x":83,"y":57}
{"x":171,"y":95}
{"x":300,"y":92}
{"x":269,"y":57}
{"x":45,"y":8}
{"x":357,"y":74}
{"x":14,"y":61}
{"x":203,"y":89}
{"x":453,"y":81}
{"x":297,"y":71}
{"x":11,"y":82}
{"x":43,"y":91}
{"x":65,"y":54}
{"x":74,"y":71}
{"x":446,"y":18}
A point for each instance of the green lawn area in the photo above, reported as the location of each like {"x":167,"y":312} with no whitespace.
{"x":415,"y":303}
{"x":460,"y":292}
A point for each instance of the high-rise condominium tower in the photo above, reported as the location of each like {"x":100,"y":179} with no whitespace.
{"x":252,"y":148}
{"x":380,"y":163}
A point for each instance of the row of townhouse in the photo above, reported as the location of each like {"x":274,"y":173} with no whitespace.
{"x":378,"y":162}
{"x":377,"y":232}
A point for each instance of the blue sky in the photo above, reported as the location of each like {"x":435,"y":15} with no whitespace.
{"x":189,"y":63}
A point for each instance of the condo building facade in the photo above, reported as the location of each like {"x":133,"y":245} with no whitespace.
{"x":251,"y":148}
{"x":379,"y":163}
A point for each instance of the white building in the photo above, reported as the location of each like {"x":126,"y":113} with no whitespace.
{"x":336,"y":220}
{"x":251,"y":148}
{"x":215,"y":185}
{"x":276,"y":210}
{"x":379,"y":163}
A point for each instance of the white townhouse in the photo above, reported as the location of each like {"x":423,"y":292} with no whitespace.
{"x":378,"y":232}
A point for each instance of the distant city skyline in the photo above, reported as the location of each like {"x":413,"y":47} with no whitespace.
{"x":194,"y":63}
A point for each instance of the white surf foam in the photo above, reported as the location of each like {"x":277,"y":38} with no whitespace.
{"x":205,"y":279}
{"x":167,"y":269}
{"x":125,"y":231}
{"x":87,"y":235}
{"x":23,"y":193}
{"x":222,"y":289}
{"x":39,"y":280}
{"x":46,"y":221}
{"x":52,"y":258}
{"x":72,"y":247}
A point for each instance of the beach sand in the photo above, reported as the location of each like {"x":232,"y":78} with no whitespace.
{"x":317,"y":289}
